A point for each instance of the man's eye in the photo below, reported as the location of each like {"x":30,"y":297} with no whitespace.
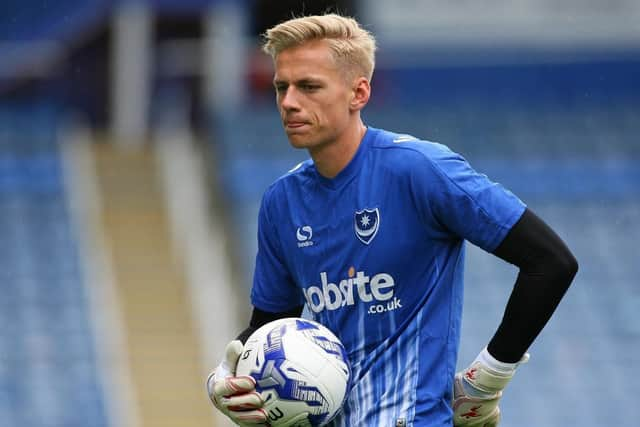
{"x":309,"y":87}
{"x":281,"y":88}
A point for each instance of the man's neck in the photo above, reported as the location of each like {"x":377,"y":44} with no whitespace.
{"x":332,"y":158}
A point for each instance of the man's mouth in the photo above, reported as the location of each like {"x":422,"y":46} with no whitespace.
{"x":294,"y":124}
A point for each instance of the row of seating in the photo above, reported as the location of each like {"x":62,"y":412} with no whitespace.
{"x":48,"y":366}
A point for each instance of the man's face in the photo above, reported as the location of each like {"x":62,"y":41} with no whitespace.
{"x":313,"y":95}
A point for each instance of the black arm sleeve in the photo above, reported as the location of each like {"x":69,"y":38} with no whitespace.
{"x":259,"y":318}
{"x":547,"y":268}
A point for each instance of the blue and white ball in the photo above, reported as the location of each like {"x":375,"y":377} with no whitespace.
{"x":301,"y":370}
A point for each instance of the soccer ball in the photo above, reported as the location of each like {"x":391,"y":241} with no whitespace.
{"x":301,"y":371}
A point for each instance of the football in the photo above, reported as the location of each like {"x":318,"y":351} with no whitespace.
{"x":301,"y":370}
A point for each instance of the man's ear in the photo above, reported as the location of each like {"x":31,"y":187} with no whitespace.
{"x":360,"y":94}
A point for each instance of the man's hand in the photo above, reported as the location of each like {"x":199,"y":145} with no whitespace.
{"x":477,"y":391}
{"x":236,"y":397}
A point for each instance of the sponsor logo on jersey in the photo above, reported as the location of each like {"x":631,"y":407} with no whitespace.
{"x":366,"y":224}
{"x":358,"y":287}
{"x":304,"y":235}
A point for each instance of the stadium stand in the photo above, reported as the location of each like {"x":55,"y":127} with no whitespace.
{"x":48,"y":372}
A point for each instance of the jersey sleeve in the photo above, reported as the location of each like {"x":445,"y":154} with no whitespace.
{"x":463,"y":202}
{"x":273,"y":288}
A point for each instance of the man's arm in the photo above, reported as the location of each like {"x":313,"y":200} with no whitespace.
{"x":235,"y":396}
{"x":547,"y":268}
{"x":259,"y":318}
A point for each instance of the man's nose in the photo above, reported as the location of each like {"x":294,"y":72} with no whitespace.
{"x":289,"y":99}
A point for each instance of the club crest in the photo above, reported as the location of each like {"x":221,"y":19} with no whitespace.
{"x":366,"y":224}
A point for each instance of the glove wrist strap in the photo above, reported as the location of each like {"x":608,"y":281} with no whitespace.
{"x":488,"y":374}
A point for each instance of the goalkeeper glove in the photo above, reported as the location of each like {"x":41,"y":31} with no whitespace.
{"x":236,"y":397}
{"x":478,"y":389}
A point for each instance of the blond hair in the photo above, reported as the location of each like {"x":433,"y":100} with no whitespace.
{"x":352,"y":46}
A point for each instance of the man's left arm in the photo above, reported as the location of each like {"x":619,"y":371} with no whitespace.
{"x":547,"y":268}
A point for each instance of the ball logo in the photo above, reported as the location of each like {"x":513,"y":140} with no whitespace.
{"x":275,"y":414}
{"x":366,"y":224}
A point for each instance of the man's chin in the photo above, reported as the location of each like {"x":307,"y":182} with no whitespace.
{"x":298,"y":141}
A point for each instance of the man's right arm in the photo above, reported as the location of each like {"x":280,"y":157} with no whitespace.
{"x":236,"y":396}
{"x":260,"y":317}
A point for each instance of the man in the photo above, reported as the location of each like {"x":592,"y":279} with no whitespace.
{"x":369,"y":234}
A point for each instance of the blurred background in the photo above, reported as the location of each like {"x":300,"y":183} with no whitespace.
{"x":136,"y":139}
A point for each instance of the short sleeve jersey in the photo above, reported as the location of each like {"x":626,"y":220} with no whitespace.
{"x":377,"y":255}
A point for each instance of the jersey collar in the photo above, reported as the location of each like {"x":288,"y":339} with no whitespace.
{"x":352,"y":167}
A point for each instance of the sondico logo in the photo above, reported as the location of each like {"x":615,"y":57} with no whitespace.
{"x":304,"y":235}
{"x":358,"y":286}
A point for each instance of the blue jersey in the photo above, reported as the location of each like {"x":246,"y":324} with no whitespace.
{"x":377,"y":255}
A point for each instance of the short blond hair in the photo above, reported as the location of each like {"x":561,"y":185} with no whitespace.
{"x":352,"y":46}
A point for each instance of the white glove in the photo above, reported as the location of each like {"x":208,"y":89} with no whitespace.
{"x":236,"y":397}
{"x":477,"y":391}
